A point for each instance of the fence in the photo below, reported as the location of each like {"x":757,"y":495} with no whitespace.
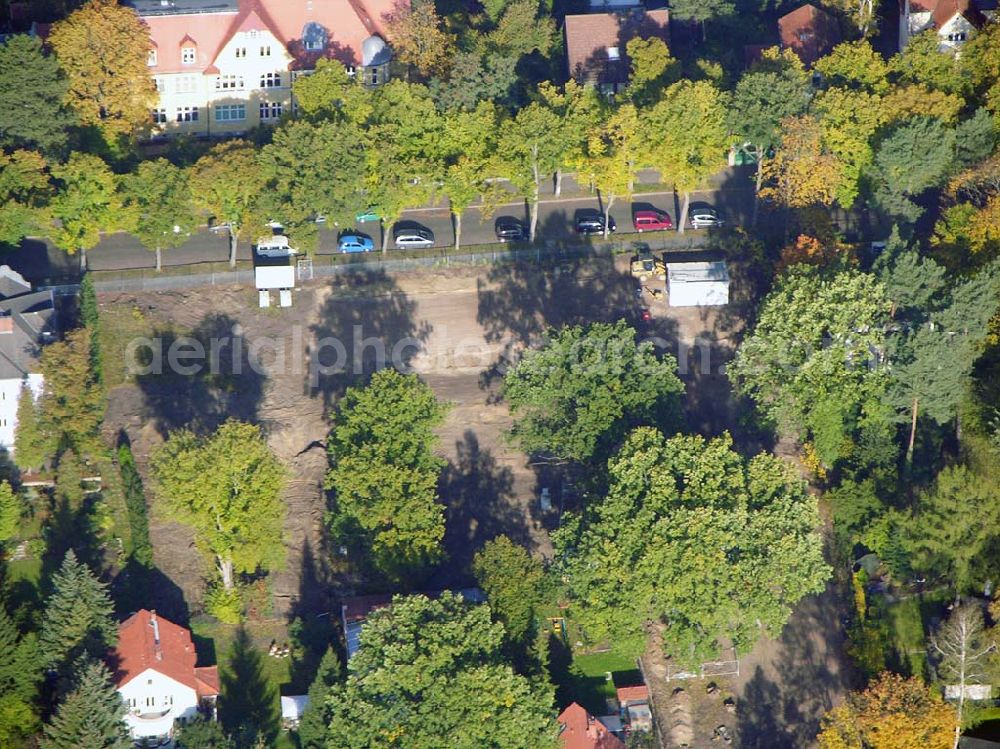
{"x":727,"y":667}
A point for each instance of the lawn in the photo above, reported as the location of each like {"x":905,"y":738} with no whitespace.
{"x":910,"y":621}
{"x":585,"y":679}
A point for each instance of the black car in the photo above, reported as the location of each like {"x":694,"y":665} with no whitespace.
{"x":592,"y":222}
{"x":510,"y":229}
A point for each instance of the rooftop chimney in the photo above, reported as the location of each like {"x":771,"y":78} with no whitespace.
{"x":156,"y":635}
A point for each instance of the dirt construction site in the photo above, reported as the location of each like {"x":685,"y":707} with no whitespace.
{"x":457,"y":328}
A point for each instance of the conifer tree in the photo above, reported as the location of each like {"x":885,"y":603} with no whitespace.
{"x":90,"y":716}
{"x":10,"y":512}
{"x":31,"y":447}
{"x":19,"y":677}
{"x":77,"y":616}
{"x":316,"y":718}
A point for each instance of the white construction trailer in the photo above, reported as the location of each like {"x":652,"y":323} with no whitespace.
{"x":275,"y":277}
{"x":697,"y":284}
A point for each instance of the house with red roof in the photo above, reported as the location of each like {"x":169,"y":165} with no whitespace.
{"x":809,"y":32}
{"x":954,"y":21}
{"x":222,"y":67}
{"x":578,"y":729}
{"x":155,"y":673}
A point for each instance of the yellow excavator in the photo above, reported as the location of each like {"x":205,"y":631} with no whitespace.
{"x":645,"y":265}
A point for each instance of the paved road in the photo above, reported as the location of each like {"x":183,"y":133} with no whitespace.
{"x":731,"y":194}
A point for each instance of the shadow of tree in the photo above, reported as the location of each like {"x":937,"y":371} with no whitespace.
{"x":479,"y":498}
{"x":365,"y":324}
{"x":226,"y":382}
{"x":248,"y":705}
{"x":139,"y":587}
{"x":311,"y":623}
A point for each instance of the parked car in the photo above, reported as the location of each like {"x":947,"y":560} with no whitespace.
{"x":412,"y":238}
{"x":368,"y":214}
{"x":704,"y":218}
{"x":355,"y":242}
{"x":275,"y":246}
{"x":510,"y":229}
{"x":592,"y":222}
{"x":216,"y":227}
{"x":652,"y":221}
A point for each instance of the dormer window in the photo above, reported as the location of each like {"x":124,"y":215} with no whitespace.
{"x":313,"y":36}
{"x":188,"y":55}
{"x":151,"y":58}
{"x":614,"y":53}
{"x":265,"y":51}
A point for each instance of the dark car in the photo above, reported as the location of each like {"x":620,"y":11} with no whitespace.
{"x":510,"y":229}
{"x":592,"y":222}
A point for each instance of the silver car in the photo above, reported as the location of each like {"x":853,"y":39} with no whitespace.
{"x":407,"y":239}
{"x":704,"y":218}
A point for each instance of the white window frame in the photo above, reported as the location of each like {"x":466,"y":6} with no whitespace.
{"x":241,"y":52}
{"x":230,"y":112}
{"x":265,"y":50}
{"x":161,"y":84}
{"x":185,"y":84}
{"x":187,"y":114}
{"x":229,"y":82}
{"x":151,"y":58}
{"x":270,"y":80}
{"x":189,"y":55}
{"x":160,"y":116}
{"x":271,"y":110}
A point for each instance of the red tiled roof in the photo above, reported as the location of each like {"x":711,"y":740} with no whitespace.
{"x":357,"y":608}
{"x":174,"y":656}
{"x":347,"y":23}
{"x":809,"y":32}
{"x":945,"y":10}
{"x":578,"y":729}
{"x":633,"y":694}
{"x":589,"y":36}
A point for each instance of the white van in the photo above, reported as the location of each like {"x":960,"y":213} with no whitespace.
{"x":276,"y":246}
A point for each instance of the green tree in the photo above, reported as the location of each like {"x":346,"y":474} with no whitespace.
{"x":384,"y":472}
{"x":312,"y":728}
{"x":856,"y":65}
{"x":522,"y":30}
{"x":849,"y":119}
{"x":763,"y":99}
{"x":471,"y":143}
{"x":690,"y":136}
{"x":613,"y":155}
{"x":20,"y":676}
{"x":477,"y":77}
{"x":24,"y":193}
{"x":980,"y":63}
{"x":72,"y":403}
{"x":803,"y":172}
{"x":32,"y":91}
{"x":693,"y":535}
{"x":91,"y":319}
{"x":227,"y":183}
{"x":227,"y":487}
{"x":808,"y":362}
{"x":158,"y":200}
{"x":405,"y":156}
{"x":512,"y":581}
{"x":585,"y":388}
{"x":899,"y":178}
{"x":202,"y":733}
{"x":297,"y":167}
{"x":651,"y":67}
{"x":86,"y":204}
{"x":701,"y":11}
{"x":69,"y":481}
{"x":329,"y":93}
{"x":449,"y":685}
{"x":32,"y":447}
{"x":952,"y":525}
{"x":11,"y":509}
{"x":116,"y":99}
{"x":91,"y":716}
{"x":921,"y":62}
{"x":248,"y":708}
{"x":78,"y":616}
{"x":135,"y":503}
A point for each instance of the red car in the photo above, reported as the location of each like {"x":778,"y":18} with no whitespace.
{"x":651,"y":221}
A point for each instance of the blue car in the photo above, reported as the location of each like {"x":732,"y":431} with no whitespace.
{"x":351,"y":242}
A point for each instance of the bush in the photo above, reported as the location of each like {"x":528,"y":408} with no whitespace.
{"x":224,"y":605}
{"x":135,"y":502}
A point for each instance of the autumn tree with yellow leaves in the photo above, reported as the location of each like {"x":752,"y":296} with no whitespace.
{"x":103,"y":48}
{"x":892,"y":713}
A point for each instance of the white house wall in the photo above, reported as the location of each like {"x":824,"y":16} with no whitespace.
{"x":957,"y":25}
{"x":178,"y":90}
{"x":152,"y":693}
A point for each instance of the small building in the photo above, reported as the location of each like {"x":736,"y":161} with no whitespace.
{"x":280,"y":278}
{"x":634,"y":702}
{"x":954,"y":21}
{"x":27,"y":322}
{"x":595,"y":44}
{"x":155,"y":672}
{"x":697,"y":284}
{"x":578,"y":729}
{"x":809,"y":32}
{"x":292,"y":708}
